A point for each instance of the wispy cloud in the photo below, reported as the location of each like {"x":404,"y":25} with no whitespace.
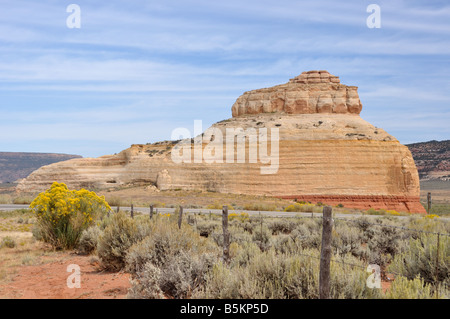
{"x":144,"y":68}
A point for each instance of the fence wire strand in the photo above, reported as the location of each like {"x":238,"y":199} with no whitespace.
{"x":359,"y":222}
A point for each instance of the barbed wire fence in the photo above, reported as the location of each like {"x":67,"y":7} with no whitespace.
{"x":325,"y":257}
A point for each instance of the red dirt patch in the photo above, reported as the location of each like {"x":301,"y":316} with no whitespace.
{"x":49,"y":281}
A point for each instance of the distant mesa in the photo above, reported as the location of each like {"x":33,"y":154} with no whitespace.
{"x":327,"y":153}
{"x":18,"y":165}
{"x":432,"y":159}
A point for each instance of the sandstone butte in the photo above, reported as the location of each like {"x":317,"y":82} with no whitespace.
{"x":327,"y":154}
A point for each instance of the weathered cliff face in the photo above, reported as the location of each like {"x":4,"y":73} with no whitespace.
{"x":310,"y":92}
{"x":332,"y":156}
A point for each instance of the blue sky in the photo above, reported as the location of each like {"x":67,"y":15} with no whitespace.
{"x":136,"y":70}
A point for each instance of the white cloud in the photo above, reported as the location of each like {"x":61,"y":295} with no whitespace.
{"x":158,"y":62}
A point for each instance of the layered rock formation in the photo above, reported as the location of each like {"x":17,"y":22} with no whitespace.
{"x":325,"y":152}
{"x":310,"y":92}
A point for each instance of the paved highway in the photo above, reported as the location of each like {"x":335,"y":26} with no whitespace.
{"x":146,"y":210}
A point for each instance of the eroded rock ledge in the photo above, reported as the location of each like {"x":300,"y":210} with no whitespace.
{"x":310,"y":92}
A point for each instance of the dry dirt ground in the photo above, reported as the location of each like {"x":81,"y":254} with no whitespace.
{"x":32,"y":270}
{"x":47,"y":278}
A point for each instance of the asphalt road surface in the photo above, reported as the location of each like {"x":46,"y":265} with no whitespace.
{"x":146,"y":210}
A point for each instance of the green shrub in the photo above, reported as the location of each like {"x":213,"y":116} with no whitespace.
{"x":89,"y":239}
{"x":145,"y":283}
{"x":261,"y":236}
{"x":206,"y":227}
{"x":170,"y":261}
{"x":281,"y":226}
{"x":8,"y":242}
{"x":243,"y":253}
{"x":346,"y":239}
{"x":163,"y":241}
{"x":118,"y":236}
{"x":237,"y":235}
{"x":420,"y":259}
{"x":180,"y":277}
{"x":285,"y":244}
{"x":308,"y":234}
{"x":423,"y":223}
{"x":402,"y":288}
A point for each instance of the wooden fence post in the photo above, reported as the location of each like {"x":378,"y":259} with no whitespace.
{"x":261,"y":222}
{"x":118,"y":208}
{"x":429,"y":203}
{"x":180,"y":217}
{"x":437,"y":268}
{"x":226,"y":235}
{"x":132,"y":211}
{"x":151,"y":211}
{"x":325,"y":254}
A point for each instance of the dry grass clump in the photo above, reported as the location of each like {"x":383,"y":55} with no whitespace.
{"x":5,"y":199}
{"x":117,"y":237}
{"x":170,"y":261}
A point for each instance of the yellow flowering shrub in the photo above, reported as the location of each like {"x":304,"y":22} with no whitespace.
{"x":62,"y":214}
{"x":299,"y":207}
{"x":242,"y":217}
{"x":431,"y":216}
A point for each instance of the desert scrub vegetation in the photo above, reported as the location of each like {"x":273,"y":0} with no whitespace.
{"x":261,"y":207}
{"x":440,"y":209}
{"x":277,"y":257}
{"x":170,"y":261}
{"x":270,"y":257}
{"x":426,"y":258}
{"x":384,"y":212}
{"x":119,"y":233}
{"x":5,"y":199}
{"x":23,"y":200}
{"x":20,"y":220}
{"x":276,"y":275}
{"x":8,"y":242}
{"x":304,"y":207}
{"x":63,"y":214}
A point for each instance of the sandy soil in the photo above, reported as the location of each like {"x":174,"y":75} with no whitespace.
{"x":49,"y":281}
